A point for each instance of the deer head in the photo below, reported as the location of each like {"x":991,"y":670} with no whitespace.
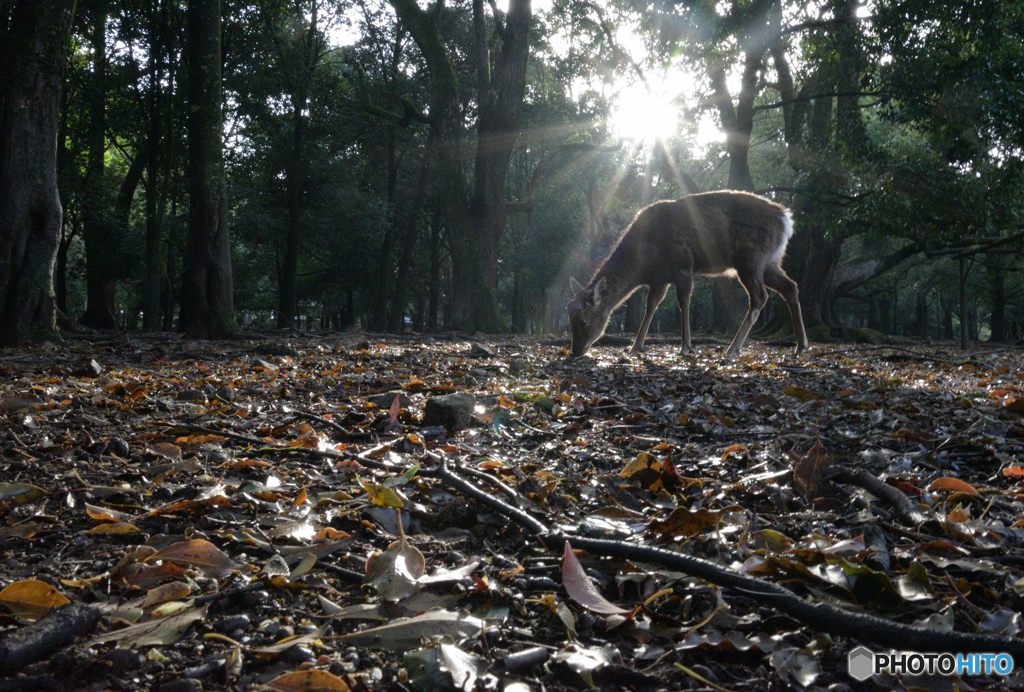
{"x":589,"y":311}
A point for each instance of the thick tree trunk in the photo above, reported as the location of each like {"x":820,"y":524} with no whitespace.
{"x":410,"y":237}
{"x":32,"y":53}
{"x":435,"y":270}
{"x":97,"y":228}
{"x":475,"y":224}
{"x":207,"y":306}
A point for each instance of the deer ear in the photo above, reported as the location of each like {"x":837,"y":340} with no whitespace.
{"x":599,"y":289}
{"x":574,"y":285}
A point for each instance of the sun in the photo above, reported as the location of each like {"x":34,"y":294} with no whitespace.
{"x":641,"y":114}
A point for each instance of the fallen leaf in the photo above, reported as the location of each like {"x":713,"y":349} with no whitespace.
{"x":311,"y":680}
{"x":581,"y":589}
{"x":952,"y":485}
{"x":31,"y":599}
{"x":162,"y":631}
{"x":198,"y":553}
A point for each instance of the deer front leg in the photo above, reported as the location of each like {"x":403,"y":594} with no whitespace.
{"x":684,"y":289}
{"x":655,"y":295}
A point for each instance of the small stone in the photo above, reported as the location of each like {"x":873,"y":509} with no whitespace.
{"x":181,"y":685}
{"x":385,"y":400}
{"x":270,"y":627}
{"x":541,"y":584}
{"x":298,"y":654}
{"x":191,"y":394}
{"x":480,"y":374}
{"x":272,"y":349}
{"x":233,"y":623}
{"x":122,"y":660}
{"x":362,"y":345}
{"x":518,"y":365}
{"x":454,"y":411}
{"x":251,"y":599}
{"x":482,"y":351}
{"x":117,"y":447}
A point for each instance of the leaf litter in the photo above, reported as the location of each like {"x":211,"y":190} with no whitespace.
{"x":265,"y":521}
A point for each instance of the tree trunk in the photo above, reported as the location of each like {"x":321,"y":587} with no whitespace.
{"x":295,"y":174}
{"x":207,"y":309}
{"x":396,"y":314}
{"x":435,"y":269}
{"x":475,"y":225}
{"x":155,"y":270}
{"x":96,"y":223}
{"x":997,"y":283}
{"x":32,"y":54}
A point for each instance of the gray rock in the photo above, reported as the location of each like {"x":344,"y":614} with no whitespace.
{"x":478,"y":349}
{"x":385,"y":400}
{"x":454,"y":411}
{"x":517,"y":365}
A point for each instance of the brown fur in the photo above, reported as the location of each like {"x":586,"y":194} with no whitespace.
{"x":712,"y":233}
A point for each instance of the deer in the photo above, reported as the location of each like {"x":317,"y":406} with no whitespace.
{"x":725,"y":233}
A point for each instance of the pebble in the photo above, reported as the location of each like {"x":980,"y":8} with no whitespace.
{"x":541,"y":584}
{"x":181,"y":685}
{"x":252,"y":599}
{"x":298,"y":654}
{"x":233,"y":623}
{"x":124,"y":659}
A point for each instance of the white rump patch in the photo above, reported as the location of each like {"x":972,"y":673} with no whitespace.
{"x":787,"y":233}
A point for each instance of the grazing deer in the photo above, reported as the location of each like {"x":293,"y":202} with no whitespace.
{"x":713,"y":234}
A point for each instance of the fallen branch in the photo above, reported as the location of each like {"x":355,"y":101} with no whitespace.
{"x":819,"y":616}
{"x":53,"y":632}
{"x":905,"y":508}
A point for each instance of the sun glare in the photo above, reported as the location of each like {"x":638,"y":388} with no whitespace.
{"x":640,"y":114}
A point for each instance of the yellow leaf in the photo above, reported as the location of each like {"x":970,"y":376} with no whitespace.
{"x":121,"y":528}
{"x":31,"y":599}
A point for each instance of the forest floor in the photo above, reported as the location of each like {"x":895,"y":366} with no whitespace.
{"x":224,"y":515}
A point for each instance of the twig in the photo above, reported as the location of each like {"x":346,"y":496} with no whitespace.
{"x":347,"y":435}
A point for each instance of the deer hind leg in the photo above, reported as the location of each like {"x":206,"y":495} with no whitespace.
{"x":757,"y":296}
{"x":778,"y":281}
{"x":684,"y":288}
{"x":655,"y":295}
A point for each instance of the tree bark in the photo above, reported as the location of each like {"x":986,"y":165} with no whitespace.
{"x":296,"y":175}
{"x":155,"y":269}
{"x":207,"y":305}
{"x":474,"y":222}
{"x":32,"y":54}
{"x":96,"y":222}
{"x":396,"y":314}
